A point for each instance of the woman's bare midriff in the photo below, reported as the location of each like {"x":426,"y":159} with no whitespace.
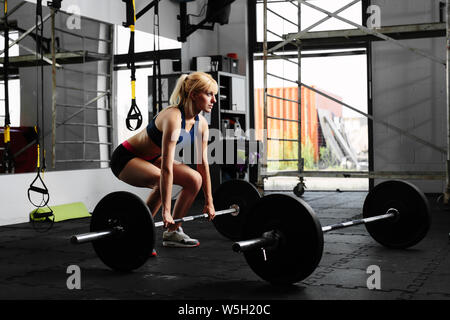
{"x":144,"y":146}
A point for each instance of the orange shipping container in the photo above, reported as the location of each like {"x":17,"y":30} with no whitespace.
{"x":280,"y":129}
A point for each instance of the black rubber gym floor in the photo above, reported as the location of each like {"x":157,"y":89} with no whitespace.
{"x":35,"y":265}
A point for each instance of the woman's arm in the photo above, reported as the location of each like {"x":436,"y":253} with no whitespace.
{"x":170,"y":126}
{"x":203,"y":169}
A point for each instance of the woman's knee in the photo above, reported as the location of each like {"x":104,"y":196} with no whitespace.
{"x":195,"y":181}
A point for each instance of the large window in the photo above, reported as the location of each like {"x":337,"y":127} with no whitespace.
{"x":333,"y":136}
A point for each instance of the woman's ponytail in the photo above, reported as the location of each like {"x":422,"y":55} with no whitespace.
{"x":178,"y":93}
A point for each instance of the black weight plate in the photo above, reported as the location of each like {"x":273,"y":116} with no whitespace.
{"x":241,"y":193}
{"x":130,"y":249}
{"x":413,"y":221}
{"x":301,"y":245}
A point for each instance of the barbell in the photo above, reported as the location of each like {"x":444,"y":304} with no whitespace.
{"x":280,"y":236}
{"x":283,"y":239}
{"x":122,"y":230}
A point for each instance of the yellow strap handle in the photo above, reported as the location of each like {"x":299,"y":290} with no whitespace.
{"x":38,"y":150}
{"x":7,"y":136}
{"x":133,"y":90}
{"x":38,"y":157}
{"x":131,"y":26}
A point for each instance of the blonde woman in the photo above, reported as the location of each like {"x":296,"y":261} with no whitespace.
{"x":147,"y":159}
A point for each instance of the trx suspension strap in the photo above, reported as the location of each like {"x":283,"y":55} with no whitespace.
{"x":7,"y":160}
{"x":134,"y":113}
{"x":40,"y":215}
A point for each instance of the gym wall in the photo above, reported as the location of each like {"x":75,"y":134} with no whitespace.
{"x":67,"y":186}
{"x":87,"y":186}
{"x":409,"y":91}
{"x":113,"y":11}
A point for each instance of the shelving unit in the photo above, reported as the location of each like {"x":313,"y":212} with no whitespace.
{"x":229,"y":115}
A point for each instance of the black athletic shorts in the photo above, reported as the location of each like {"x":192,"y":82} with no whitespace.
{"x":120,"y":158}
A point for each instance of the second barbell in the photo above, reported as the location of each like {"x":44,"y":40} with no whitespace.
{"x":283,"y":239}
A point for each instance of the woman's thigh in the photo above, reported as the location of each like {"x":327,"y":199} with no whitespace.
{"x":184,"y":175}
{"x":140,"y":173}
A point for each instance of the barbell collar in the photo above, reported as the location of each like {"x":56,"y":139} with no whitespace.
{"x":268,"y":239}
{"x":92,"y":236}
{"x":390,"y":213}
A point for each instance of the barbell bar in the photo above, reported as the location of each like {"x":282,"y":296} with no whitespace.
{"x":390,"y":213}
{"x":270,"y":238}
{"x":117,"y":230}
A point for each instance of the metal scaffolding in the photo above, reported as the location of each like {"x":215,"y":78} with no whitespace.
{"x":59,"y":59}
{"x":90,"y":96}
{"x":291,"y":41}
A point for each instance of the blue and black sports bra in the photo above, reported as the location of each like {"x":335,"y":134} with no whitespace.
{"x":156,"y":135}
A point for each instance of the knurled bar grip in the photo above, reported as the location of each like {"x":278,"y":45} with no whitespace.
{"x":204,"y":215}
{"x":391,"y":213}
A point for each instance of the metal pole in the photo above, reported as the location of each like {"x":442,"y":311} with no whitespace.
{"x":447,"y":189}
{"x":263,"y":166}
{"x":299,"y":92}
{"x":53,"y":89}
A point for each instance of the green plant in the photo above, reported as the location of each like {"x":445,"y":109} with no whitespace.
{"x":290,"y":151}
{"x":308,"y":154}
{"x":327,"y":160}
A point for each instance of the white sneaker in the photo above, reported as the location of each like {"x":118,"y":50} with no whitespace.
{"x":179,"y":239}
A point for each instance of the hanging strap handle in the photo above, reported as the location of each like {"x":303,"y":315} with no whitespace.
{"x":134,"y":114}
{"x":42,"y":190}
